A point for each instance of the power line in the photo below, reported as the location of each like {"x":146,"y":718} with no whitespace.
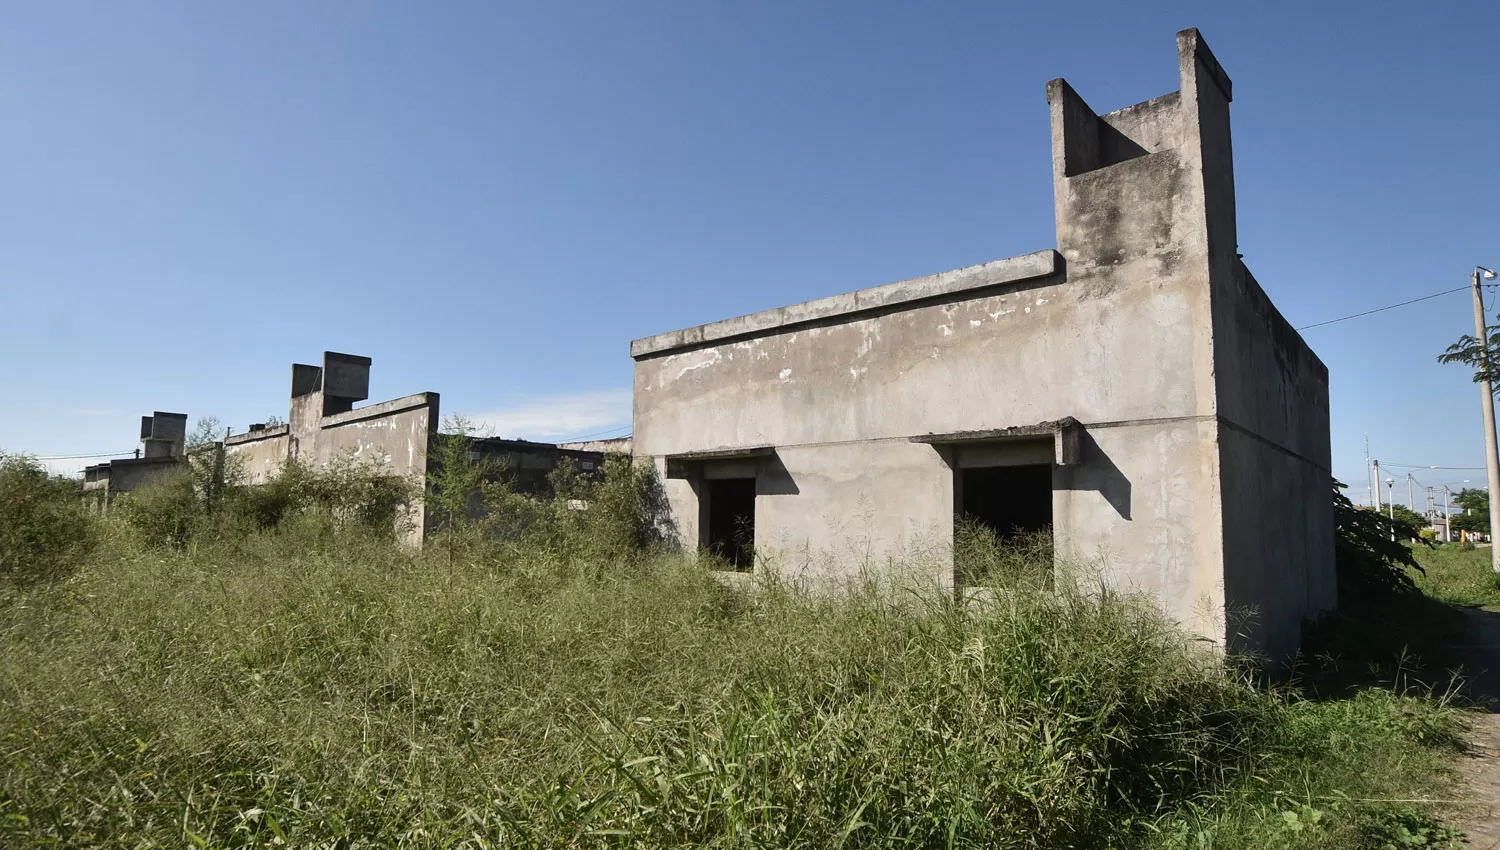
{"x":1390,"y":307}
{"x":84,"y":456}
{"x":598,"y":434}
{"x":1414,"y":466}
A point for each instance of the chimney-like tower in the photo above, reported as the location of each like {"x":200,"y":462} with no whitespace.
{"x":1150,"y":185}
{"x":163,"y":434}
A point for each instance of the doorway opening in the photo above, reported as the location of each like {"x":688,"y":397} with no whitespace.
{"x":731,"y":520}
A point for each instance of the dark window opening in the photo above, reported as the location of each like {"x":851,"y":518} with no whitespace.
{"x":1003,"y":534}
{"x":1012,"y":500}
{"x":731,"y":520}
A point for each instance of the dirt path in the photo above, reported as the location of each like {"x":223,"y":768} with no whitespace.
{"x":1481,"y":768}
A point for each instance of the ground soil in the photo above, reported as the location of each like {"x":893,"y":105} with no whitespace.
{"x":1480,"y":769}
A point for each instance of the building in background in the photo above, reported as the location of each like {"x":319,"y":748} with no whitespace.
{"x":1135,"y":391}
{"x":163,"y":447}
{"x":323,"y":424}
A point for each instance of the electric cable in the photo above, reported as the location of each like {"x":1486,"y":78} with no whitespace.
{"x":1389,"y":307}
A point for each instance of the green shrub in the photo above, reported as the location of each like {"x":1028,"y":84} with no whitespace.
{"x":206,"y":501}
{"x":617,"y":512}
{"x":165,"y":511}
{"x":44,"y":527}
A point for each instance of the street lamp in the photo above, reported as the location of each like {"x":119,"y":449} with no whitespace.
{"x":1390,"y":504}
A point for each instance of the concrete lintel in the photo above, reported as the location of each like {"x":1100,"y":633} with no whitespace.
{"x":725,"y":454}
{"x":994,"y":273}
{"x":254,"y":436}
{"x":686,"y":464}
{"x":384,"y":408}
{"x":1066,"y":434}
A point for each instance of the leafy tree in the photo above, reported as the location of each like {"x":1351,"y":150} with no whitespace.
{"x":1404,"y":514}
{"x":1484,"y":360}
{"x":1369,"y":549}
{"x":1475,"y":518}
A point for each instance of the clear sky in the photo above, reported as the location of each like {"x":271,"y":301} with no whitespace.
{"x":493,"y":199}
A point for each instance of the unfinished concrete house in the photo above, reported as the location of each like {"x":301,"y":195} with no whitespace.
{"x":163,"y":441}
{"x":1134,"y":390}
{"x":323,"y":424}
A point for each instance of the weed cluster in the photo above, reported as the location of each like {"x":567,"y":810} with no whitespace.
{"x":206,"y":500}
{"x":612,"y":514}
{"x":44,"y":528}
{"x":369,"y":694}
{"x":273,"y":668}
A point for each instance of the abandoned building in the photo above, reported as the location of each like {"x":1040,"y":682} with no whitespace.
{"x":323,"y":424}
{"x":1134,"y":390}
{"x":163,"y":442}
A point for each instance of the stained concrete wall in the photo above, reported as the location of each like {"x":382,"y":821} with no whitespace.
{"x":260,"y":453}
{"x":1138,"y":326}
{"x":621,"y":445}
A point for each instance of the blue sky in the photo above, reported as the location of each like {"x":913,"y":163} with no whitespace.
{"x":492,"y":200}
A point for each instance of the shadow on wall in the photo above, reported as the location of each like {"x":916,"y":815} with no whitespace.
{"x":1097,"y":472}
{"x":775,"y":480}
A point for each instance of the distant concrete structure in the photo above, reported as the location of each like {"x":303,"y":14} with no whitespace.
{"x":1134,"y":390}
{"x":163,"y":442}
{"x":323,"y":424}
{"x":528,"y":465}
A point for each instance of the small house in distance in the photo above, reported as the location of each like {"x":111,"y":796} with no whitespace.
{"x":1134,"y":390}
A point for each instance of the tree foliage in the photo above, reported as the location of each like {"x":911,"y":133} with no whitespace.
{"x":1475,"y":518}
{"x":1404,"y":514}
{"x":1370,"y":548}
{"x":1484,"y":360}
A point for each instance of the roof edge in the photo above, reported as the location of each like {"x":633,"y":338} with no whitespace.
{"x":993,"y":273}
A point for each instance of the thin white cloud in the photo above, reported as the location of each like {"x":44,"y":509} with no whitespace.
{"x":559,"y":417}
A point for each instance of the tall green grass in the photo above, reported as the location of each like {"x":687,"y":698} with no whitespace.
{"x":1457,"y":575}
{"x":310,"y":687}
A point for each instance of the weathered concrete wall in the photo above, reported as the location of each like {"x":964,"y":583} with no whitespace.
{"x":394,"y":433}
{"x":622,"y":445}
{"x":1275,"y":467}
{"x":259,"y":454}
{"x":1010,"y":350}
{"x":1143,"y":329}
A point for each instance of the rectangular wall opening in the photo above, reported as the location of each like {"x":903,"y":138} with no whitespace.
{"x":731,"y":520}
{"x":1003,"y":524}
{"x":1012,"y":500}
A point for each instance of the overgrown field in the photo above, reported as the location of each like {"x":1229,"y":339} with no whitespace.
{"x":1457,"y":575}
{"x":313,"y":684}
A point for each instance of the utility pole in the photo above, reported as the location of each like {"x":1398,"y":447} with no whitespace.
{"x":1376,"y":478}
{"x":1487,"y":391}
{"x":1447,"y":518}
{"x":1370,"y":478}
{"x":1411,"y":504}
{"x":1431,"y":510}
